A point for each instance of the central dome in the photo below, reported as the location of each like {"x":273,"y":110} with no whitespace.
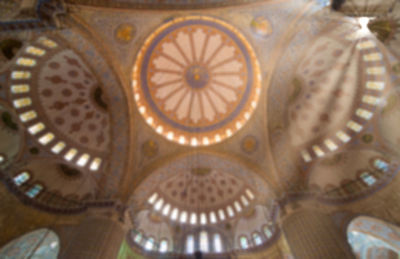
{"x":196,"y":80}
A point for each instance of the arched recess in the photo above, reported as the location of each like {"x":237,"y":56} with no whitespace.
{"x":312,"y":234}
{"x":371,"y":238}
{"x":41,"y":243}
{"x":353,"y":174}
{"x":10,"y":136}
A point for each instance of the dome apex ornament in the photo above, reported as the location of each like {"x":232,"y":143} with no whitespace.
{"x":196,"y":80}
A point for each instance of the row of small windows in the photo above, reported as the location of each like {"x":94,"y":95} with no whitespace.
{"x":370,"y":179}
{"x":49,"y":137}
{"x":202,"y":243}
{"x":149,"y":243}
{"x":196,"y":218}
{"x":30,"y":115}
{"x":22,"y":178}
{"x":256,"y":238}
{"x":381,"y":165}
{"x":361,"y":113}
{"x":30,"y":62}
{"x":367,"y":178}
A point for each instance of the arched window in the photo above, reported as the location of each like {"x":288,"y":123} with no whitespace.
{"x":244,"y":200}
{"x":138,"y":238}
{"x":183,"y":217}
{"x":21,"y":178}
{"x":163,"y":246}
{"x":159,"y":204}
{"x":237,"y":206}
{"x":368,"y":178}
{"x":230,"y":211}
{"x":213,"y":217}
{"x":257,"y":239}
{"x":244,"y":243}
{"x":193,"y":218}
{"x":250,"y":194}
{"x":203,"y":219}
{"x":189,"y":244}
{"x":34,"y":191}
{"x":366,"y":234}
{"x":42,"y":243}
{"x":267,"y":232}
{"x":221,"y":214}
{"x":28,"y":62}
{"x":174,"y":214}
{"x":166,"y":209}
{"x":217,"y":243}
{"x":381,"y":165}
{"x":35,"y":51}
{"x":149,"y":245}
{"x":204,"y":247}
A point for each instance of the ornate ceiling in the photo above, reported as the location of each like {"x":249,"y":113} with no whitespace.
{"x":211,"y":119}
{"x":196,"y":81}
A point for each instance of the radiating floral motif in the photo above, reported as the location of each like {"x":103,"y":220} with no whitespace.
{"x":197,"y":75}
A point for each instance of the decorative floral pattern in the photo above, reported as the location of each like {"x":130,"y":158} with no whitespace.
{"x":61,"y":103}
{"x":66,"y":89}
{"x":196,"y":80}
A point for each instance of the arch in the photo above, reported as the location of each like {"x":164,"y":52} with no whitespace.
{"x":41,"y":243}
{"x":11,"y":135}
{"x":217,"y":243}
{"x":369,"y":237}
{"x":256,"y":237}
{"x":204,"y":245}
{"x":189,"y":244}
{"x":10,"y":47}
{"x":244,"y":242}
{"x":164,"y":246}
{"x":149,"y":244}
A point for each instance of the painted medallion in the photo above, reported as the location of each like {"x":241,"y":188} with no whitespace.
{"x":196,"y":80}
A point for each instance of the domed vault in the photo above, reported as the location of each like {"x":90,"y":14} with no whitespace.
{"x":187,"y":129}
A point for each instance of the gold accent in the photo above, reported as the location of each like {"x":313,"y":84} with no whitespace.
{"x":125,"y":32}
{"x":150,"y":148}
{"x":195,"y":139}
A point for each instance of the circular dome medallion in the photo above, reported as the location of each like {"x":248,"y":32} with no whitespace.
{"x":196,"y":80}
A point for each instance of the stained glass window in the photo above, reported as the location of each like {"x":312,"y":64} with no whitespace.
{"x":163,"y":246}
{"x":217,"y":243}
{"x":21,"y":178}
{"x":39,"y":244}
{"x":267,"y":231}
{"x":190,"y":244}
{"x":368,"y":178}
{"x":244,"y":243}
{"x":34,"y":191}
{"x":381,"y":165}
{"x":257,"y":239}
{"x":204,"y":241}
{"x":138,"y":238}
{"x":149,"y":245}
